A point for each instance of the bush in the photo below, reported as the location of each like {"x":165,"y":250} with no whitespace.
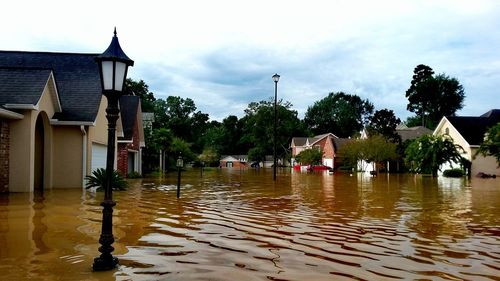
{"x":98,"y":179}
{"x":134,"y":175}
{"x":453,"y":173}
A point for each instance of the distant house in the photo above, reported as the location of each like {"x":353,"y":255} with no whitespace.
{"x":234,"y":161}
{"x":131,"y":142}
{"x":52,"y":120}
{"x":468,"y":132}
{"x":410,"y":133}
{"x":328,"y":143}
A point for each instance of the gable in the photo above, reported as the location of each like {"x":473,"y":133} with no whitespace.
{"x":229,"y":158}
{"x":22,"y":87}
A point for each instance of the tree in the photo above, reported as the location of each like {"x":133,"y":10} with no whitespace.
{"x":375,"y":149}
{"x":310,"y":156}
{"x":257,"y":128}
{"x":179,"y":147}
{"x":338,"y":113}
{"x":432,"y":97}
{"x":491,"y":144}
{"x":209,"y":156}
{"x":427,"y":153}
{"x":384,"y":123}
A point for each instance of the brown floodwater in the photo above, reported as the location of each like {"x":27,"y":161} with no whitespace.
{"x":240,"y":225}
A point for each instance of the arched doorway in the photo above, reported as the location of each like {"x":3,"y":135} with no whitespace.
{"x":39,"y":154}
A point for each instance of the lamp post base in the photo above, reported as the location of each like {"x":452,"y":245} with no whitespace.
{"x":103,"y":264}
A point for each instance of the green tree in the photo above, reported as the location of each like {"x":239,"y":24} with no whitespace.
{"x":384,"y":123}
{"x":209,"y":156}
{"x":432,"y":97}
{"x":338,"y":113}
{"x":375,"y":149}
{"x":180,"y":147}
{"x":257,"y":128}
{"x":491,"y":143}
{"x":427,"y":153}
{"x":310,"y":156}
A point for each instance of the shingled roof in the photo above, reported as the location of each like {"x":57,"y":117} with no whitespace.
{"x":76,"y":75}
{"x":473,"y":128}
{"x":22,"y":86}
{"x":128,"y":108}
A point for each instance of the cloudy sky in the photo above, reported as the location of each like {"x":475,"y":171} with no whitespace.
{"x":222,"y":54}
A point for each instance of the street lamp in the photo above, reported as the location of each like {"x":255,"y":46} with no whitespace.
{"x":180,"y":164}
{"x":276,"y":78}
{"x":113,"y":65}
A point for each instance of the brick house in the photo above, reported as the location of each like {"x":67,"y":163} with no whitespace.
{"x":131,"y":141}
{"x":328,"y":143}
{"x":234,"y":161}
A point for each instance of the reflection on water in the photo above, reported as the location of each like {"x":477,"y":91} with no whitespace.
{"x":232,"y":225}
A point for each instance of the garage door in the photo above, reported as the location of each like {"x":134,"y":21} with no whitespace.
{"x":98,"y":156}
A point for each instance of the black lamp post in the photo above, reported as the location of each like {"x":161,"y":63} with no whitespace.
{"x":180,"y":164}
{"x":113,"y":65}
{"x":276,"y":78}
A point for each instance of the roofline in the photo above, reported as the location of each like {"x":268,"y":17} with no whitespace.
{"x":71,"y":123}
{"x":441,"y":124}
{"x":48,"y":53}
{"x":58,"y":101}
{"x":10,"y":114}
{"x":28,"y":106}
{"x":325,"y":135}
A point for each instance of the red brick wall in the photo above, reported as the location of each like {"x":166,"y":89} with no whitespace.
{"x":122,"y":157}
{"x":236,"y":164}
{"x":328,"y":149}
{"x":4,"y":155}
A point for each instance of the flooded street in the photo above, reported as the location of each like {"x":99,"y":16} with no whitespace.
{"x":240,"y":225}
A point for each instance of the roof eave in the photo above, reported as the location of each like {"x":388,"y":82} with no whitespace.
{"x":4,"y":113}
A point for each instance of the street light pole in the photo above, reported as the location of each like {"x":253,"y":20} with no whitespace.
{"x":180,"y":164}
{"x":113,"y":65}
{"x":276,"y":78}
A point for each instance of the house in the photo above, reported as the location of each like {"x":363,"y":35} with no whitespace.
{"x":468,"y":132}
{"x":328,"y":143}
{"x":52,"y":120}
{"x":131,"y":142}
{"x":234,"y":161}
{"x":410,"y":133}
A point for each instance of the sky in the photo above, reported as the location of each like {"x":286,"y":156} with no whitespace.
{"x":222,"y":54}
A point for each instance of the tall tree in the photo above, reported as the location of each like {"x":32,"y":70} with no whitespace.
{"x":384,"y":123}
{"x":339,"y":113}
{"x":432,"y":97}
{"x":257,"y":128}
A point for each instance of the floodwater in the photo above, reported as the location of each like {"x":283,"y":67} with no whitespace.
{"x":240,"y":225}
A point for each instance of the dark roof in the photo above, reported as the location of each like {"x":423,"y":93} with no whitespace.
{"x":338,"y":143}
{"x":76,"y":75}
{"x":128,"y":112}
{"x":413,"y":132}
{"x":474,"y":128}
{"x":22,"y":86}
{"x":299,"y":141}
